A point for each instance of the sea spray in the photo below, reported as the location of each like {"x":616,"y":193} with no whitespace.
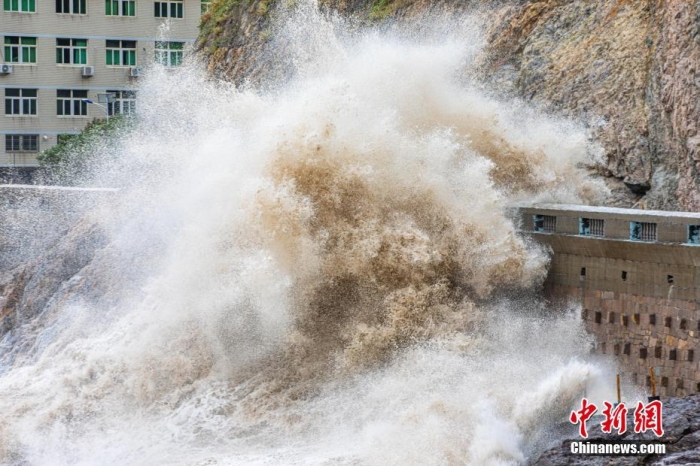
{"x":322,"y":271}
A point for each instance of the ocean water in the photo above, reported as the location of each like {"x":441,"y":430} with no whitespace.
{"x":316,"y":269}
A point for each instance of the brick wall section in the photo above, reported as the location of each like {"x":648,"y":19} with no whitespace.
{"x":681,"y":375}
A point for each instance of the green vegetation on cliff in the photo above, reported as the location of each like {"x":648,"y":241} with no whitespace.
{"x":77,"y":153}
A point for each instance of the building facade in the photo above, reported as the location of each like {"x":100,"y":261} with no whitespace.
{"x":56,"y":53}
{"x":636,"y":275}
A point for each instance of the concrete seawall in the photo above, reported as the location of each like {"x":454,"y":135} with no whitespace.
{"x":636,"y":275}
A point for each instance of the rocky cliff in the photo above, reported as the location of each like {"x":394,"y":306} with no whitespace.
{"x":627,"y":69}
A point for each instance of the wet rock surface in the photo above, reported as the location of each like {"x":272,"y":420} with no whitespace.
{"x":681,"y":422}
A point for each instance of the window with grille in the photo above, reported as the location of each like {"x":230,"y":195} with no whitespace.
{"x":121,"y":53}
{"x":545,"y":223}
{"x":120,"y":7}
{"x":124,"y":103}
{"x":20,"y":102}
{"x":169,"y":9}
{"x":21,"y":143}
{"x":642,"y":231}
{"x":694,"y":234}
{"x":591,"y":226}
{"x":70,"y":103}
{"x":20,"y":49}
{"x":71,"y":51}
{"x":72,"y":7}
{"x":169,"y":53}
{"x":20,"y":6}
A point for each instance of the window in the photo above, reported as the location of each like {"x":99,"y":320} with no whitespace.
{"x":636,"y":318}
{"x":591,"y":226}
{"x":72,"y":7}
{"x":691,"y":355}
{"x":611,"y":318}
{"x":121,"y":53}
{"x":624,"y":275}
{"x":169,"y":53}
{"x":642,"y":353}
{"x":668,"y":321}
{"x":694,"y":234}
{"x":169,"y":9}
{"x":664,"y":381}
{"x":70,"y":103}
{"x":120,"y":7}
{"x":684,"y":324}
{"x":23,"y":6}
{"x":20,"y":49}
{"x":658,"y":352}
{"x":673,"y":354}
{"x":625,"y":320}
{"x":669,"y":279}
{"x":21,"y":143}
{"x":20,"y":102}
{"x":642,"y":231}
{"x":628,"y":349}
{"x":124,"y":103}
{"x":71,"y":51}
{"x":583,"y":271}
{"x":598,"y":317}
{"x":652,"y":319}
{"x":679,"y":384}
{"x":616,"y":349}
{"x":545,"y":223}
{"x":206,"y":4}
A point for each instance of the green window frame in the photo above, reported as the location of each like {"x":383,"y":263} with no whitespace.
{"x":20,"y":101}
{"x":20,"y":6}
{"x":21,"y":143}
{"x":206,"y":4}
{"x":169,"y":53}
{"x":169,"y":9}
{"x":20,"y":49}
{"x":70,"y":102}
{"x":120,"y":7}
{"x":71,"y":51}
{"x":120,"y":53}
{"x":71,"y":7}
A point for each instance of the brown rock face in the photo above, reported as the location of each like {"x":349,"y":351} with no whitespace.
{"x":628,"y":69}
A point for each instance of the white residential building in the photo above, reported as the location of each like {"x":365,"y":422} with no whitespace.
{"x":55,"y":53}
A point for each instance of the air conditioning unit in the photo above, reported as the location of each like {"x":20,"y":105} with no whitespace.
{"x":87,"y":71}
{"x":5,"y":68}
{"x":135,"y":72}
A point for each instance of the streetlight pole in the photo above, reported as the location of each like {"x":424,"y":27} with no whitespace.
{"x":105,"y":108}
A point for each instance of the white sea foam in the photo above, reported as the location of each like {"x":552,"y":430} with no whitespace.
{"x":319,"y":273}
